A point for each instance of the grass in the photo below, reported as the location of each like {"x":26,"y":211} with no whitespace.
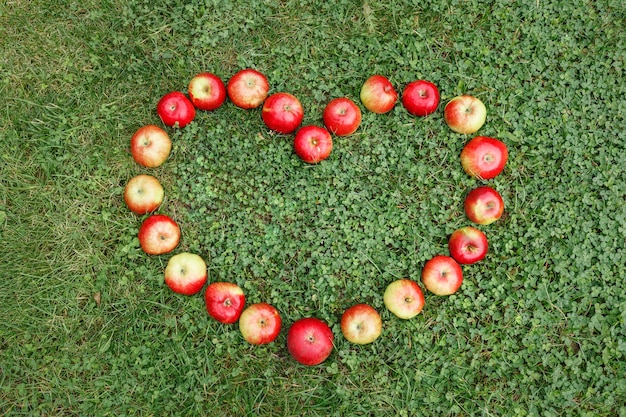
{"x":538,"y":327}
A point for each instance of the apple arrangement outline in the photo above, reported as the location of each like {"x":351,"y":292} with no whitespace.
{"x":143,"y":194}
{"x":150,"y":146}
{"x":465,"y":114}
{"x":484,"y":157}
{"x":404,"y":298}
{"x":158,"y":234}
{"x":420,"y":98}
{"x":282,"y":113}
{"x":310,"y":341}
{"x":361,"y":324}
{"x":483,"y":205}
{"x":442,"y":275}
{"x":313,"y":144}
{"x":468,"y":245}
{"x":378,"y":95}
{"x":175,"y":109}
{"x":260,"y":323}
{"x":207,"y":91}
{"x":248,"y":88}
{"x":342,"y":116}
{"x":186,"y":273}
{"x":224,"y":301}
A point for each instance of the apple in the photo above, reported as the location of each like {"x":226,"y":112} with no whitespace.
{"x":175,"y":109}
{"x":282,"y":112}
{"x":420,"y":97}
{"x":143,"y":194}
{"x":224,"y":301}
{"x":310,"y":341}
{"x":361,"y":324}
{"x":313,"y":144}
{"x":342,"y":116}
{"x":207,"y":91}
{"x":442,"y":275}
{"x":260,"y":323}
{"x":150,"y":146}
{"x":248,"y":88}
{"x":484,"y":157}
{"x":158,"y":234}
{"x":483,"y":205}
{"x":468,"y":245}
{"x":404,"y":298}
{"x":465,"y":114}
{"x":378,"y":94}
{"x":186,"y":273}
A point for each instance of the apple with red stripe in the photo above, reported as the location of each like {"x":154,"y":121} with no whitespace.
{"x":483,"y":205}
{"x":404,"y":298}
{"x":207,"y":91}
{"x":224,"y":301}
{"x":484,"y":157}
{"x":260,"y":323}
{"x":175,"y":109}
{"x":310,"y":341}
{"x":465,"y":114}
{"x":342,"y":116}
{"x":282,"y":112}
{"x":158,"y":234}
{"x":186,"y":273}
{"x":361,"y":324}
{"x":143,"y":194}
{"x":150,"y":146}
{"x":468,"y":245}
{"x":248,"y":88}
{"x":442,"y":275}
{"x":378,"y":95}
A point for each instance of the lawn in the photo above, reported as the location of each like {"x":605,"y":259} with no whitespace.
{"x":88,"y":327}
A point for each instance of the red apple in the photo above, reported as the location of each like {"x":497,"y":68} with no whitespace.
{"x":186,"y":273}
{"x":442,"y":275}
{"x":158,"y":234}
{"x":207,"y":91}
{"x":404,"y":298}
{"x":483,"y":205}
{"x":465,"y":114}
{"x":150,"y":146}
{"x":175,"y":109}
{"x":378,"y":94}
{"x":224,"y":301}
{"x":484,"y":157}
{"x":313,"y":144}
{"x":260,"y":323}
{"x":420,"y":98}
{"x":310,"y":341}
{"x":361,"y":324}
{"x":468,"y":245}
{"x":282,"y":112}
{"x":342,"y":116}
{"x":143,"y":194}
{"x":248,"y":88}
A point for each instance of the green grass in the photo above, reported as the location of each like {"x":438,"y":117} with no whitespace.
{"x":89,"y":328}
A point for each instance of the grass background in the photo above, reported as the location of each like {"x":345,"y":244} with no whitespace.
{"x":88,"y":328}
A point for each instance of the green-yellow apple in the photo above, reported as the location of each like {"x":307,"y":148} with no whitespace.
{"x":465,"y":114}
{"x":404,"y":298}
{"x":143,"y":194}
{"x":361,"y":324}
{"x":150,"y":146}
{"x":186,"y":273}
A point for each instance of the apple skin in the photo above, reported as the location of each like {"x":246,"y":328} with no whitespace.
{"x":224,"y":301}
{"x":143,"y":194}
{"x":310,"y":341}
{"x":342,"y":116}
{"x":483,"y":205}
{"x":468,"y":245}
{"x":378,"y":95}
{"x":186,"y":273}
{"x":404,"y":298}
{"x":175,"y":109}
{"x":484,"y":157}
{"x":420,"y":97}
{"x":442,"y":275}
{"x":158,"y":234}
{"x":207,"y":91}
{"x":248,"y":88}
{"x":361,"y":324}
{"x":282,"y":112}
{"x":150,"y":146}
{"x":465,"y":114}
{"x":313,"y":144}
{"x":260,"y":323}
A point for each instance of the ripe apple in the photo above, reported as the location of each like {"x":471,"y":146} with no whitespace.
{"x":361,"y":324}
{"x":248,"y":88}
{"x":442,"y":275}
{"x":150,"y":146}
{"x":158,"y":234}
{"x":186,"y":273}
{"x":404,"y":298}
{"x":420,"y":97}
{"x":483,"y":205}
{"x":175,"y":109}
{"x":313,"y":144}
{"x":207,"y":91}
{"x":378,"y":94}
{"x":143,"y":194}
{"x":260,"y":323}
{"x":468,"y":245}
{"x":484,"y":157}
{"x":282,"y":112}
{"x":310,"y":341}
{"x":224,"y":301}
{"x":342,"y":116}
{"x":465,"y":114}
